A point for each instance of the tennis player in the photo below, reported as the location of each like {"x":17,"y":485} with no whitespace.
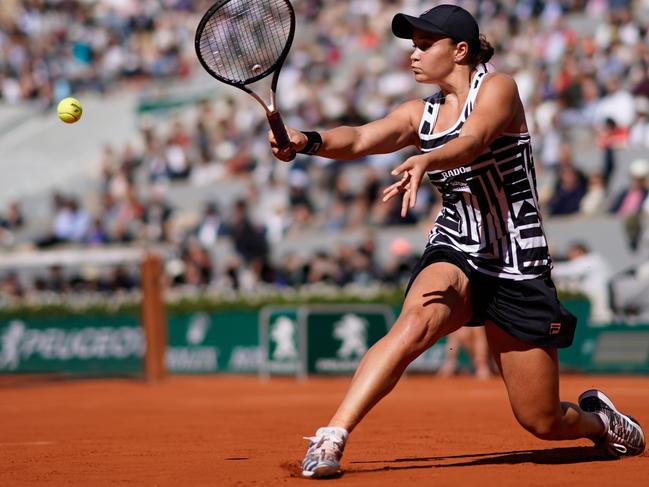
{"x":487,"y":257}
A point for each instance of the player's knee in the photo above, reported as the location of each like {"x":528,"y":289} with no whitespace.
{"x":417,"y":330}
{"x":543,"y":426}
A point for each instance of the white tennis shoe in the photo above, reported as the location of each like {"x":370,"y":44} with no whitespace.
{"x":624,"y":436}
{"x":322,"y":459}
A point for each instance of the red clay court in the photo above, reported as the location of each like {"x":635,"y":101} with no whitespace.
{"x":231,"y":430}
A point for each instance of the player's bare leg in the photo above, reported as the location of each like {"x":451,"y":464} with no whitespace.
{"x":438,"y":303}
{"x":531,"y":376}
{"x":480,"y":353}
{"x":453,"y":342}
{"x":537,"y":406}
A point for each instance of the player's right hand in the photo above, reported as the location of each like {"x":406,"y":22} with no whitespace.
{"x":298,"y":142}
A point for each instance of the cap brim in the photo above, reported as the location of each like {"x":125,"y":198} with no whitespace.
{"x":403,"y":26}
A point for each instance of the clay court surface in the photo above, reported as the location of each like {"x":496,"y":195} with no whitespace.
{"x":229,"y":430}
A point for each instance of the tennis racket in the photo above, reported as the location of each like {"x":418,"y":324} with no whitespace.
{"x":240,"y":42}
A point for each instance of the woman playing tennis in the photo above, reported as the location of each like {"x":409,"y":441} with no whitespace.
{"x":487,"y":259}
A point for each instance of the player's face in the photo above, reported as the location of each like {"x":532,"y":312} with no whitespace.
{"x":433,"y":57}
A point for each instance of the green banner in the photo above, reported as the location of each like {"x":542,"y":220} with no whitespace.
{"x":213,"y":342}
{"x":614,"y":348}
{"x":623,"y":349}
{"x":105,"y":344}
{"x":338,"y":336}
{"x":319,"y":339}
{"x":282,"y":340}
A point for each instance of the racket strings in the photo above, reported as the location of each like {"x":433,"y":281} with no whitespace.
{"x":245,"y":38}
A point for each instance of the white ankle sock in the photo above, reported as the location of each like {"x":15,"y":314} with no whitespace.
{"x":336,"y":431}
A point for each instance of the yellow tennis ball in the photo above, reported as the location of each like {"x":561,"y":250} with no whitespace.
{"x":69,"y":110}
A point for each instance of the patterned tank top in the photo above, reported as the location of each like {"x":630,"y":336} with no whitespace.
{"x":490,"y":208}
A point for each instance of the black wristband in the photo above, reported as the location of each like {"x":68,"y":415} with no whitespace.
{"x":313,"y":143}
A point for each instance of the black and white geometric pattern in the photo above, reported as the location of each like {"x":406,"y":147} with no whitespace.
{"x":490,"y":206}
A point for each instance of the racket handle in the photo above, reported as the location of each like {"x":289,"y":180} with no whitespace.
{"x":279,"y":131}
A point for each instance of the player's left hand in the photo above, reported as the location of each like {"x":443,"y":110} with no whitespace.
{"x":412,"y":171}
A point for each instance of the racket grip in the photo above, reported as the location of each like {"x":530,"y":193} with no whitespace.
{"x":279,"y":131}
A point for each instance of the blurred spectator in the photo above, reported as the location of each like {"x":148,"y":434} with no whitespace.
{"x":57,"y":206}
{"x":474,"y":340}
{"x":611,"y":138}
{"x":291,"y":271}
{"x":595,"y":200}
{"x":123,"y":218}
{"x":74,"y":223}
{"x":10,"y":222}
{"x":630,"y":200}
{"x":629,"y":292}
{"x":156,"y":163}
{"x":249,"y":239}
{"x":97,"y":234}
{"x":55,"y":281}
{"x":54,"y":48}
{"x":118,"y":183}
{"x":230,"y":275}
{"x":178,"y":163}
{"x":207,"y":171}
{"x":198,"y":269}
{"x":400,"y":262}
{"x":10,"y":286}
{"x":550,"y":152}
{"x":639,"y":132}
{"x":120,"y":279}
{"x":156,"y":218}
{"x":357,"y":265}
{"x":629,"y":203}
{"x":272,"y":208}
{"x":339,"y":212}
{"x":130,"y":159}
{"x":322,"y":269}
{"x":569,"y":192}
{"x":617,"y":104}
{"x":210,"y":226}
{"x":586,"y":271}
{"x":71,"y":222}
{"x":13,"y":218}
{"x":300,"y":204}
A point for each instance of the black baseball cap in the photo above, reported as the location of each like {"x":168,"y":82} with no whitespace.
{"x":447,"y":20}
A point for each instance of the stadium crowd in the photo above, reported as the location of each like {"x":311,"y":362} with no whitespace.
{"x":53,"y":48}
{"x":582,"y":68}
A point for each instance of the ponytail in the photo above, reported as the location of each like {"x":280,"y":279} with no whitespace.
{"x":484,"y":53}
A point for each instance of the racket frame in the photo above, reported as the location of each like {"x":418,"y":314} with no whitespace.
{"x":272,"y":113}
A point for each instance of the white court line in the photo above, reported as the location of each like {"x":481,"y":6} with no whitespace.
{"x":28,"y":443}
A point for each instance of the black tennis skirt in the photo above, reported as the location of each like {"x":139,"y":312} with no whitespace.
{"x":528,"y":310}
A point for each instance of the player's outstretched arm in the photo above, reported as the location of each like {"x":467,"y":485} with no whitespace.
{"x":396,"y":131}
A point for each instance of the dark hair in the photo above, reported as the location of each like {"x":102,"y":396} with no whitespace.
{"x":483,"y":54}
